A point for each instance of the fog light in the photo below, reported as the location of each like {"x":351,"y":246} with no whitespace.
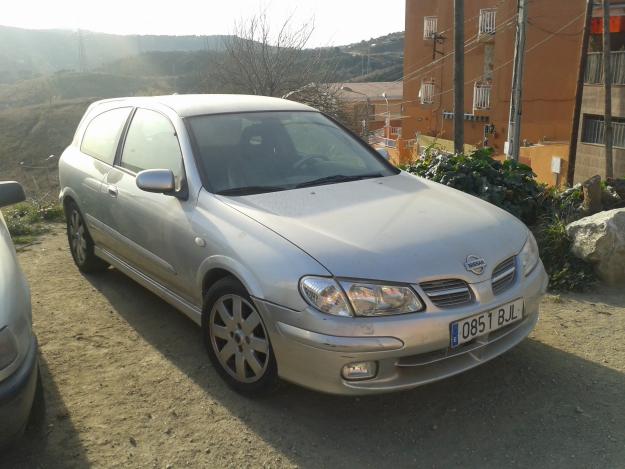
{"x":359,"y":370}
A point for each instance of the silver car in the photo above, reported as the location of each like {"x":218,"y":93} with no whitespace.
{"x":301,"y":252}
{"x":19,"y":365}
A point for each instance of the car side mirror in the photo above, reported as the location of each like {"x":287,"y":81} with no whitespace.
{"x":11,"y":192}
{"x":160,"y":181}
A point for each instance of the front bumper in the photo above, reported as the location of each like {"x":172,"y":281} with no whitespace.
{"x":17,"y":393}
{"x":411,"y":350}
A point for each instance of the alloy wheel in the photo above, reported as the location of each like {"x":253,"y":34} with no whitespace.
{"x":239,"y":338}
{"x":77,"y":237}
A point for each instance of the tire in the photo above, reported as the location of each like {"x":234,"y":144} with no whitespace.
{"x":237,"y":341}
{"x":80,"y":242}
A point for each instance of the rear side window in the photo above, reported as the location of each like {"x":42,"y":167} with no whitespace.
{"x":102,"y":134}
{"x":151,"y":143}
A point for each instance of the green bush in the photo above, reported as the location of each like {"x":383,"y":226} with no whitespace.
{"x":25,"y":221}
{"x":508,"y":184}
{"x":566,"y":272}
{"x":511,"y":186}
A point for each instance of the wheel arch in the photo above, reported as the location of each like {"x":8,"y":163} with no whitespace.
{"x":216,"y":268}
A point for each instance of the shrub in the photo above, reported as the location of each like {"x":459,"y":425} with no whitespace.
{"x":566,"y":272}
{"x":25,"y":221}
{"x":511,"y":186}
{"x":507,"y":184}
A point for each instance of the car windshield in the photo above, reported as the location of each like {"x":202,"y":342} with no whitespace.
{"x":259,"y":152}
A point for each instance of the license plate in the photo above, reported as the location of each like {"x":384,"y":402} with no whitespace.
{"x":468,"y":329}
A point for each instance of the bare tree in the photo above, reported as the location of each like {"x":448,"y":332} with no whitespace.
{"x":274,"y":61}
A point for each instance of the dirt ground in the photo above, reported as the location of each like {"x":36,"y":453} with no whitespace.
{"x":128,"y":384}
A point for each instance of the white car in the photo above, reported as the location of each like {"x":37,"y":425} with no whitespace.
{"x":301,"y":252}
{"x":19,"y":366}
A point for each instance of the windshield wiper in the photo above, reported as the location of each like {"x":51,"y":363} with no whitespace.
{"x":248,"y":190}
{"x":337,"y":178}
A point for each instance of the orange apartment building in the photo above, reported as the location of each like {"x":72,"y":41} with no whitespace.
{"x":554,"y":38}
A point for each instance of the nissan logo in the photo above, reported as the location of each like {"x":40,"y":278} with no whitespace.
{"x":475,"y":264}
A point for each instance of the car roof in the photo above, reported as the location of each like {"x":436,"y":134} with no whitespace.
{"x":187,"y":105}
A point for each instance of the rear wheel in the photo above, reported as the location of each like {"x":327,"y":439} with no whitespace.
{"x":237,"y":340}
{"x":80,"y":242}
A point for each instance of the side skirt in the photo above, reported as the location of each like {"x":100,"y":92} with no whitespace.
{"x":193,"y":312}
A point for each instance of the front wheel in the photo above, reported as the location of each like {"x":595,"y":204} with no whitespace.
{"x":237,"y":341}
{"x":80,"y":242}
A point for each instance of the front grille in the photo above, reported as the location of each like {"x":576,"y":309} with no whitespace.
{"x":448,"y":293}
{"x":503,"y":275}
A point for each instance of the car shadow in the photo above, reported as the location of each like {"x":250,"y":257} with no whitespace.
{"x":49,"y":425}
{"x":535,"y":405}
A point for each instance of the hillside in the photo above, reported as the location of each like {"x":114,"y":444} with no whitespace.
{"x":29,"y":135}
{"x":26,"y":53}
{"x":71,"y":85}
{"x":42,"y":96}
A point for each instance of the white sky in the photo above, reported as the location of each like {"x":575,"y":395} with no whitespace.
{"x":337,"y":22}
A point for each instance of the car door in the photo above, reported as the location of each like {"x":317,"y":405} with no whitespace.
{"x":91,"y":162}
{"x":151,"y":230}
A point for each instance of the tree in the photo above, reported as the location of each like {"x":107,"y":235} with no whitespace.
{"x":274,"y":61}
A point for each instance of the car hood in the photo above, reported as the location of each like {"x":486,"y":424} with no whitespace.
{"x":398,"y":228}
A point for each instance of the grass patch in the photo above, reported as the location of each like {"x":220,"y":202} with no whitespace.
{"x":28,"y":220}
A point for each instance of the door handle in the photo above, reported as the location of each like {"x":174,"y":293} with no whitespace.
{"x":112,"y":190}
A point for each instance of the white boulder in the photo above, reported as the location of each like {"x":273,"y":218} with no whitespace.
{"x":600,"y":240}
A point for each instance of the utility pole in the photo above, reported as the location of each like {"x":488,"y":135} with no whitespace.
{"x":579,"y":93}
{"x":607,"y":84}
{"x":458,"y":76}
{"x":516,"y":100}
{"x":82,"y":55}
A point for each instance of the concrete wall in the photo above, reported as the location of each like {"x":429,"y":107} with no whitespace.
{"x":539,"y":158}
{"x":550,"y":76}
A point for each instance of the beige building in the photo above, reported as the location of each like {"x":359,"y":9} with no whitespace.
{"x":591,"y":144}
{"x":369,"y":107}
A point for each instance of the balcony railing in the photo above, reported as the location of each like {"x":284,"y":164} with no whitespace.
{"x":594,"y":68}
{"x":430,"y":27}
{"x":488,"y":23}
{"x":481,"y":96}
{"x":426,"y":94}
{"x":593,"y":131}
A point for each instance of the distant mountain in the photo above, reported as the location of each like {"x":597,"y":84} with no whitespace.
{"x":26,"y":53}
{"x":390,"y":44}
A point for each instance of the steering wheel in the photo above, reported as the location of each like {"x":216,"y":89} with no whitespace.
{"x":309,"y":158}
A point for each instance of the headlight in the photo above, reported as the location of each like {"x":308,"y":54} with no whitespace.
{"x":365,"y":299}
{"x":325,"y":295}
{"x":529,"y":255}
{"x":8,"y":348}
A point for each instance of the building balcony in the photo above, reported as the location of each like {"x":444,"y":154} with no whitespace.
{"x":594,"y":68}
{"x":487,"y":25}
{"x":481,"y":96}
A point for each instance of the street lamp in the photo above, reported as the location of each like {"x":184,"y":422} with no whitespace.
{"x":349,"y":90}
{"x":388,"y":119}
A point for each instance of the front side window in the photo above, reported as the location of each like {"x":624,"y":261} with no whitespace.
{"x":266,"y":151}
{"x":151,"y":143}
{"x":102,"y":134}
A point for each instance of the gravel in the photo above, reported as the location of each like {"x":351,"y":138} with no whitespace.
{"x":128,"y":384}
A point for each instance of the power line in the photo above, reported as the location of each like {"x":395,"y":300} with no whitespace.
{"x":474,"y":42}
{"x":501,"y":2}
{"x":505,"y":64}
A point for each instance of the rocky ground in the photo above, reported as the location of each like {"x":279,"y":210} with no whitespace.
{"x":128,"y":384}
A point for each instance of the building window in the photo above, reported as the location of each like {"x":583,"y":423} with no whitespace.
{"x":430,"y":27}
{"x":426,"y":93}
{"x":488,"y":23}
{"x":481,"y":96}
{"x":593,"y":130}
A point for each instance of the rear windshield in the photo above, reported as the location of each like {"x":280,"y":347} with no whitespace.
{"x":265,"y":151}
